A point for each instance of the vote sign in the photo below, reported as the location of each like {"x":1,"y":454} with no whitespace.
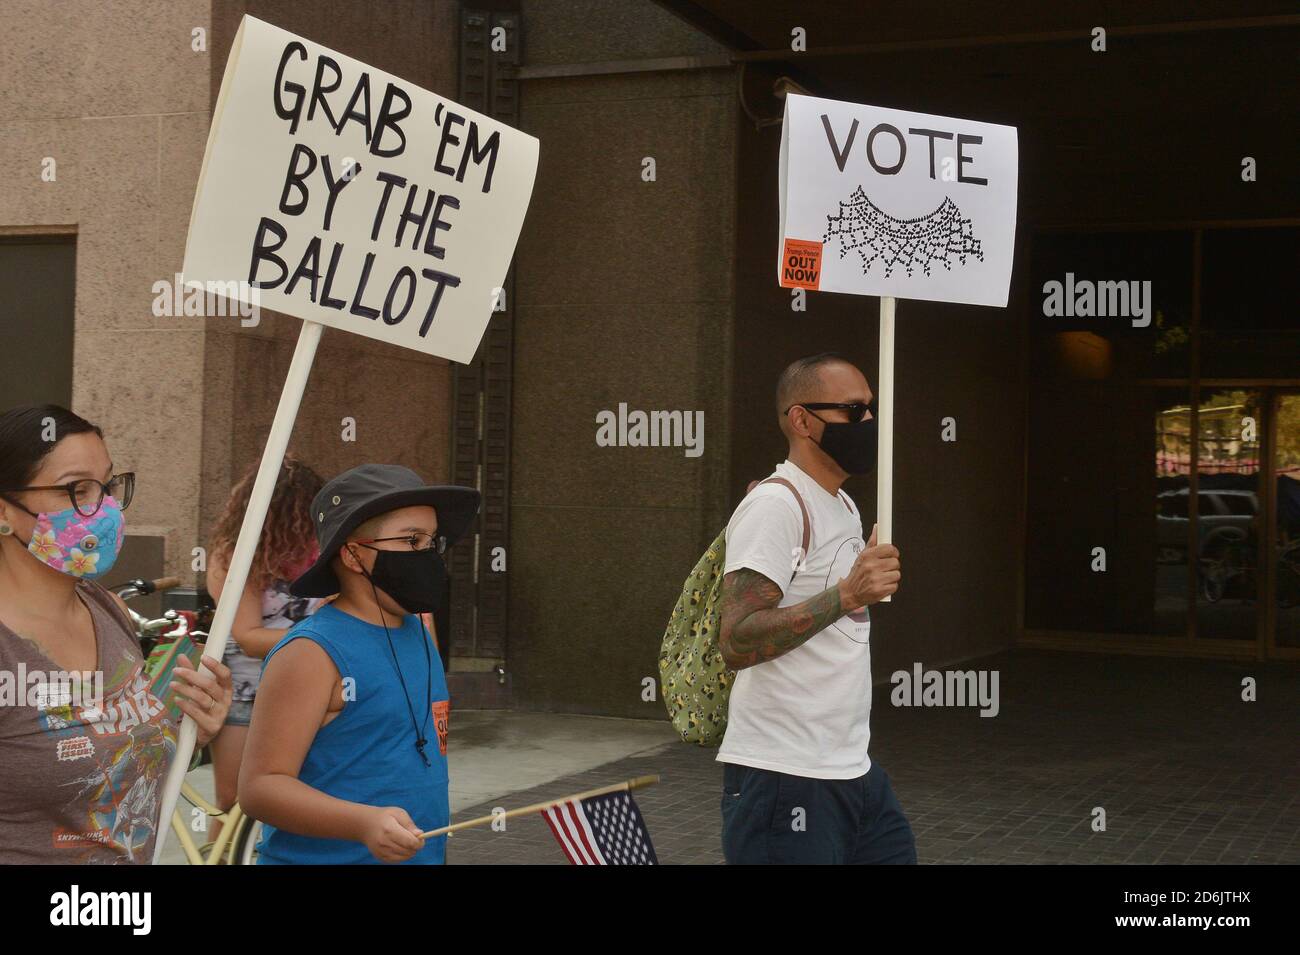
{"x":879,"y":201}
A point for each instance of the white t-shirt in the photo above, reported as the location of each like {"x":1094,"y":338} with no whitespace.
{"x":808,"y":712}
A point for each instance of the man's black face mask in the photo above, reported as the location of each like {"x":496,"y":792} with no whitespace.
{"x":850,"y":444}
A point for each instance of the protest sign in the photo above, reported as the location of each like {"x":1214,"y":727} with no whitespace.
{"x":886,"y":202}
{"x":898,"y":204}
{"x":348,"y":196}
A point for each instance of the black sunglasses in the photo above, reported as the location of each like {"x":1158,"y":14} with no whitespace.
{"x":857,"y":410}
{"x":87,"y":495}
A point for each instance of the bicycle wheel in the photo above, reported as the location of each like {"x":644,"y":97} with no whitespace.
{"x":245,"y":848}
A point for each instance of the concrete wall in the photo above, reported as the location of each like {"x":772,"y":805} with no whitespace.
{"x":114,"y":93}
{"x":625,"y":294}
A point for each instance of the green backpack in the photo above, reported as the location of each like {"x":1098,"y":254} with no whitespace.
{"x":695,"y":681}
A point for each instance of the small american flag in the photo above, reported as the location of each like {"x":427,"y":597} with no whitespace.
{"x":602,"y":830}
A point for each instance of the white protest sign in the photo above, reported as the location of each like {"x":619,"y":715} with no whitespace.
{"x":347,"y":196}
{"x":879,"y":201}
{"x":897,"y":204}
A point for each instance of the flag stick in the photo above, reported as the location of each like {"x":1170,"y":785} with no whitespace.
{"x":885,"y":429}
{"x":625,"y":786}
{"x":250,"y":532}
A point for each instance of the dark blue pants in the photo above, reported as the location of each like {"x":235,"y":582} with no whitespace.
{"x":776,"y":818}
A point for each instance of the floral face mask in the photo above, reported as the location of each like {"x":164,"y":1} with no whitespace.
{"x":77,"y":545}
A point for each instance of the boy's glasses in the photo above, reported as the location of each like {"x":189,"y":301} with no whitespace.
{"x":416,"y":541}
{"x":87,"y":495}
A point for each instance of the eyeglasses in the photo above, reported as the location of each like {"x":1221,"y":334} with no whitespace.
{"x":416,"y":541}
{"x":857,"y":410}
{"x":87,"y":495}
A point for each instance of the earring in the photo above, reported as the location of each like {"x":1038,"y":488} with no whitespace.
{"x":6,"y":529}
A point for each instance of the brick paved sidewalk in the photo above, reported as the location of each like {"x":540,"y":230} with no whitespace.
{"x":1185,"y":771}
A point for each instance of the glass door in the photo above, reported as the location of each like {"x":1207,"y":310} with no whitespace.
{"x":1228,"y":513}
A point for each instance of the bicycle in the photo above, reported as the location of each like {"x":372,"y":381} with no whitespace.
{"x":236,"y":844}
{"x":1226,"y":565}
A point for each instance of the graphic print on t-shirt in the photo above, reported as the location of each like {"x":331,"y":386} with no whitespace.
{"x":121,"y":748}
{"x":855,"y":625}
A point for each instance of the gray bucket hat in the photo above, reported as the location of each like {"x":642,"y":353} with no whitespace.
{"x":367,"y":491}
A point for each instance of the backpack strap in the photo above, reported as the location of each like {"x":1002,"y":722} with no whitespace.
{"x":807,"y":528}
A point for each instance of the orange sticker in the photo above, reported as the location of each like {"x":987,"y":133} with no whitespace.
{"x":441,"y":709}
{"x":801,"y":264}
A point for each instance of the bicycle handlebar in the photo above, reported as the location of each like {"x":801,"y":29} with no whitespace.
{"x":143,"y":588}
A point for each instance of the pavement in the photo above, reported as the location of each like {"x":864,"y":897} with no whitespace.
{"x":1163,"y":750}
{"x":1183,"y":769}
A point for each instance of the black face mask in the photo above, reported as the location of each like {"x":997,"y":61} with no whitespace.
{"x":851,"y":445}
{"x":416,"y":579}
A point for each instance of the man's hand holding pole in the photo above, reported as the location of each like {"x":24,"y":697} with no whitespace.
{"x":875,"y":575}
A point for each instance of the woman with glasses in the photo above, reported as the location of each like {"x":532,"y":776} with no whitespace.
{"x":84,"y":742}
{"x":266,"y":610}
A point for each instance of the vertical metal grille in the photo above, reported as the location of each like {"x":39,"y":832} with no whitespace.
{"x":481,"y":389}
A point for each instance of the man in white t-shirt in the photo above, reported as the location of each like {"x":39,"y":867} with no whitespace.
{"x":798,"y":785}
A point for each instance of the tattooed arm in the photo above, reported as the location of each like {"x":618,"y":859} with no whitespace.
{"x":755,"y":629}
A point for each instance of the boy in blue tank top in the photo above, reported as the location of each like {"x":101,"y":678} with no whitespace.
{"x":346,"y":759}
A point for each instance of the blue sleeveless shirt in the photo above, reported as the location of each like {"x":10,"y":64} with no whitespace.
{"x":367,"y":753}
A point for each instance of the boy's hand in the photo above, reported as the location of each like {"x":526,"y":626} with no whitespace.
{"x":391,"y":835}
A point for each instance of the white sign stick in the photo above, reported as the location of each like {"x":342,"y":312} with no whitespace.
{"x":885,"y":429}
{"x":241,"y":560}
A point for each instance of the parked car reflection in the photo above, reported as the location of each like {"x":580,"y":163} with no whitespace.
{"x":1226,"y":541}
